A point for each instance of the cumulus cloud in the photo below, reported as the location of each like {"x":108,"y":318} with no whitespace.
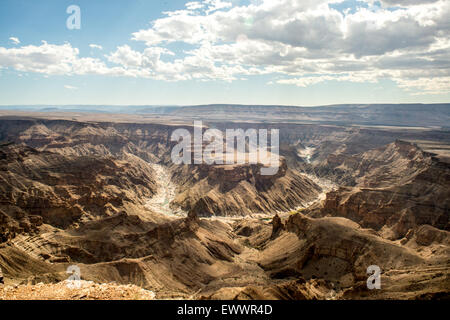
{"x":406,"y":2}
{"x":194,"y":5}
{"x":53,"y":59}
{"x":14,"y":40}
{"x":96,"y":46}
{"x":300,"y":42}
{"x":309,"y":42}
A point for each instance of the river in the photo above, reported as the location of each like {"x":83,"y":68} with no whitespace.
{"x":160,"y":202}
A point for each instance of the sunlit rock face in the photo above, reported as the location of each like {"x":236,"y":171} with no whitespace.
{"x":107,"y":197}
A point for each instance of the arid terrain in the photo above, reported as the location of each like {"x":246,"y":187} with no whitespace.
{"x":100,"y":191}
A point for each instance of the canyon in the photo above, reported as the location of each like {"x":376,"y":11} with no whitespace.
{"x":102,"y":193}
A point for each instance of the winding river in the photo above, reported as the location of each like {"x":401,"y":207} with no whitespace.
{"x":160,"y":202}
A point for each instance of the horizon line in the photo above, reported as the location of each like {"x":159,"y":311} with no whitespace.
{"x":217,"y":104}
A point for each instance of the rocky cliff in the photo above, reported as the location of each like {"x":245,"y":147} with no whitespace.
{"x":42,"y":187}
{"x":392,"y":189}
{"x":231,"y":190}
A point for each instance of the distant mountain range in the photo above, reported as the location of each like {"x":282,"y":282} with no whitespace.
{"x":422,"y":115}
{"x":93,"y":108}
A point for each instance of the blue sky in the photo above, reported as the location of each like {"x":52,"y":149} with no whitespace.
{"x":289,"y":52}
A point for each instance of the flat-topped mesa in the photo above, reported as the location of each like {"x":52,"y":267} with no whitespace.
{"x":239,"y":190}
{"x":228,"y":176}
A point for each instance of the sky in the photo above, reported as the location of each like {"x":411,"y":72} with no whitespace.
{"x":173,"y":52}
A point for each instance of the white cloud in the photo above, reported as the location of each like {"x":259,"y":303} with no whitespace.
{"x":70,"y":87}
{"x":421,"y":86}
{"x":194,"y":5}
{"x":214,"y":5}
{"x":96,"y":46}
{"x":127,"y":57}
{"x":54,"y":60}
{"x":307,"y":81}
{"x":405,"y":3}
{"x":14,"y":40}
{"x":301,"y":38}
{"x":302,"y":42}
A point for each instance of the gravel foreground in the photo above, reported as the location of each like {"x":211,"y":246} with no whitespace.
{"x":71,"y":290}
